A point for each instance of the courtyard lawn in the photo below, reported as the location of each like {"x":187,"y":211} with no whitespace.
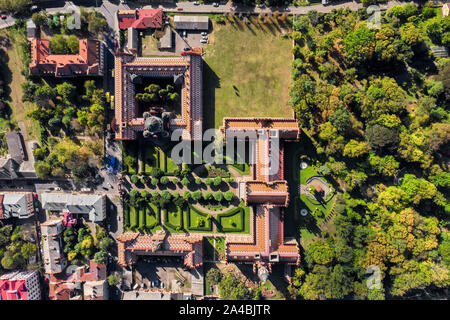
{"x":152,"y":217}
{"x":235,"y":220}
{"x":155,"y":157}
{"x":173,"y":219}
{"x":247,"y":68}
{"x":133,"y":217}
{"x":130,"y":148}
{"x":193,"y":216}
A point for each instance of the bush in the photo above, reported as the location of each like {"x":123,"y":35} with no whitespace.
{"x":185,"y":181}
{"x":196,"y":195}
{"x":208,"y":181}
{"x":217,"y":181}
{"x":164,"y":180}
{"x":144,"y":180}
{"x":186,"y":195}
{"x":208,"y":195}
{"x":218,"y":196}
{"x":228,"y":195}
{"x":198,"y":181}
{"x":155,"y":181}
{"x":155,"y":172}
{"x":134,"y":179}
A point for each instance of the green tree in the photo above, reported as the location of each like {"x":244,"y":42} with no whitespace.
{"x":101,"y":257}
{"x":213,"y":276}
{"x":58,"y":44}
{"x":341,"y":120}
{"x":359,"y":45}
{"x":381,"y":138}
{"x":354,"y":149}
{"x":230,"y":288}
{"x":72,"y":44}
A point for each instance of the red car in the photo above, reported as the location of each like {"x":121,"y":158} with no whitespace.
{"x":3,"y":16}
{"x":180,"y":9}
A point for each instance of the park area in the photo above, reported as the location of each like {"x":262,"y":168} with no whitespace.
{"x":144,"y":216}
{"x":152,"y":157}
{"x":247,"y":69}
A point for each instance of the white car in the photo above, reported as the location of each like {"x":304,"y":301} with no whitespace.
{"x":203,"y":41}
{"x":204,"y":33}
{"x":196,"y":3}
{"x":184,"y":34}
{"x":215,"y":4}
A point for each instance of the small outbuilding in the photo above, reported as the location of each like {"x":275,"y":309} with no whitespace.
{"x":191,"y":23}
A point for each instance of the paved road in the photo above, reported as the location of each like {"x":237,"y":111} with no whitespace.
{"x":108,"y":9}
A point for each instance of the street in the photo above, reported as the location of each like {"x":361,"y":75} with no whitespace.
{"x":108,"y":9}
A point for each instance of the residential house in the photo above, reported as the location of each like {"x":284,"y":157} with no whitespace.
{"x":52,"y":247}
{"x":16,"y":205}
{"x":20,"y":285}
{"x":140,"y":19}
{"x":90,"y":206}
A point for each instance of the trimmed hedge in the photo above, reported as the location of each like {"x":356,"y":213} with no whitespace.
{"x":168,"y":224}
{"x":126,"y":215}
{"x":133,"y":217}
{"x":149,"y":217}
{"x":231,"y":214}
{"x":192,"y":214}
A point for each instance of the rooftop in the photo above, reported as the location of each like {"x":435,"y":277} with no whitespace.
{"x":88,"y":61}
{"x":140,"y":19}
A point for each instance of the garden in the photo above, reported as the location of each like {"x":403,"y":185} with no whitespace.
{"x":148,"y":212}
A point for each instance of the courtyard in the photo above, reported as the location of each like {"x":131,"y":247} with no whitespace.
{"x":168,"y":274}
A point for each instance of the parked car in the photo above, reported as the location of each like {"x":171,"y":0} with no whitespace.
{"x":215,"y":4}
{"x":184,"y":34}
{"x":204,"y":33}
{"x":203,"y":41}
{"x":179,"y":9}
{"x":196,"y":3}
{"x":186,"y":49}
{"x":3,"y":16}
{"x":205,"y":37}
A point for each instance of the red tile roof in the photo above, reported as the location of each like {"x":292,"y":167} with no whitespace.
{"x":132,"y":244}
{"x":140,"y":19}
{"x":86,"y":62}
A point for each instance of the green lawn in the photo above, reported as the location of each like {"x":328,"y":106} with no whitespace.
{"x":235,"y":220}
{"x":192,"y":218}
{"x":155,"y":157}
{"x":173,"y":218}
{"x":133,"y":217}
{"x":152,"y":217}
{"x":247,"y":70}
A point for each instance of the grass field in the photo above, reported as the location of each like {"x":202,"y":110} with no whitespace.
{"x":14,"y":78}
{"x":248,"y":71}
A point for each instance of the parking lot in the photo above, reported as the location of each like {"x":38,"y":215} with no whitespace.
{"x":192,"y":40}
{"x":166,"y":273}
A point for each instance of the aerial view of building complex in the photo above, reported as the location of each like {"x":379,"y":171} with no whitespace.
{"x":248,"y":150}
